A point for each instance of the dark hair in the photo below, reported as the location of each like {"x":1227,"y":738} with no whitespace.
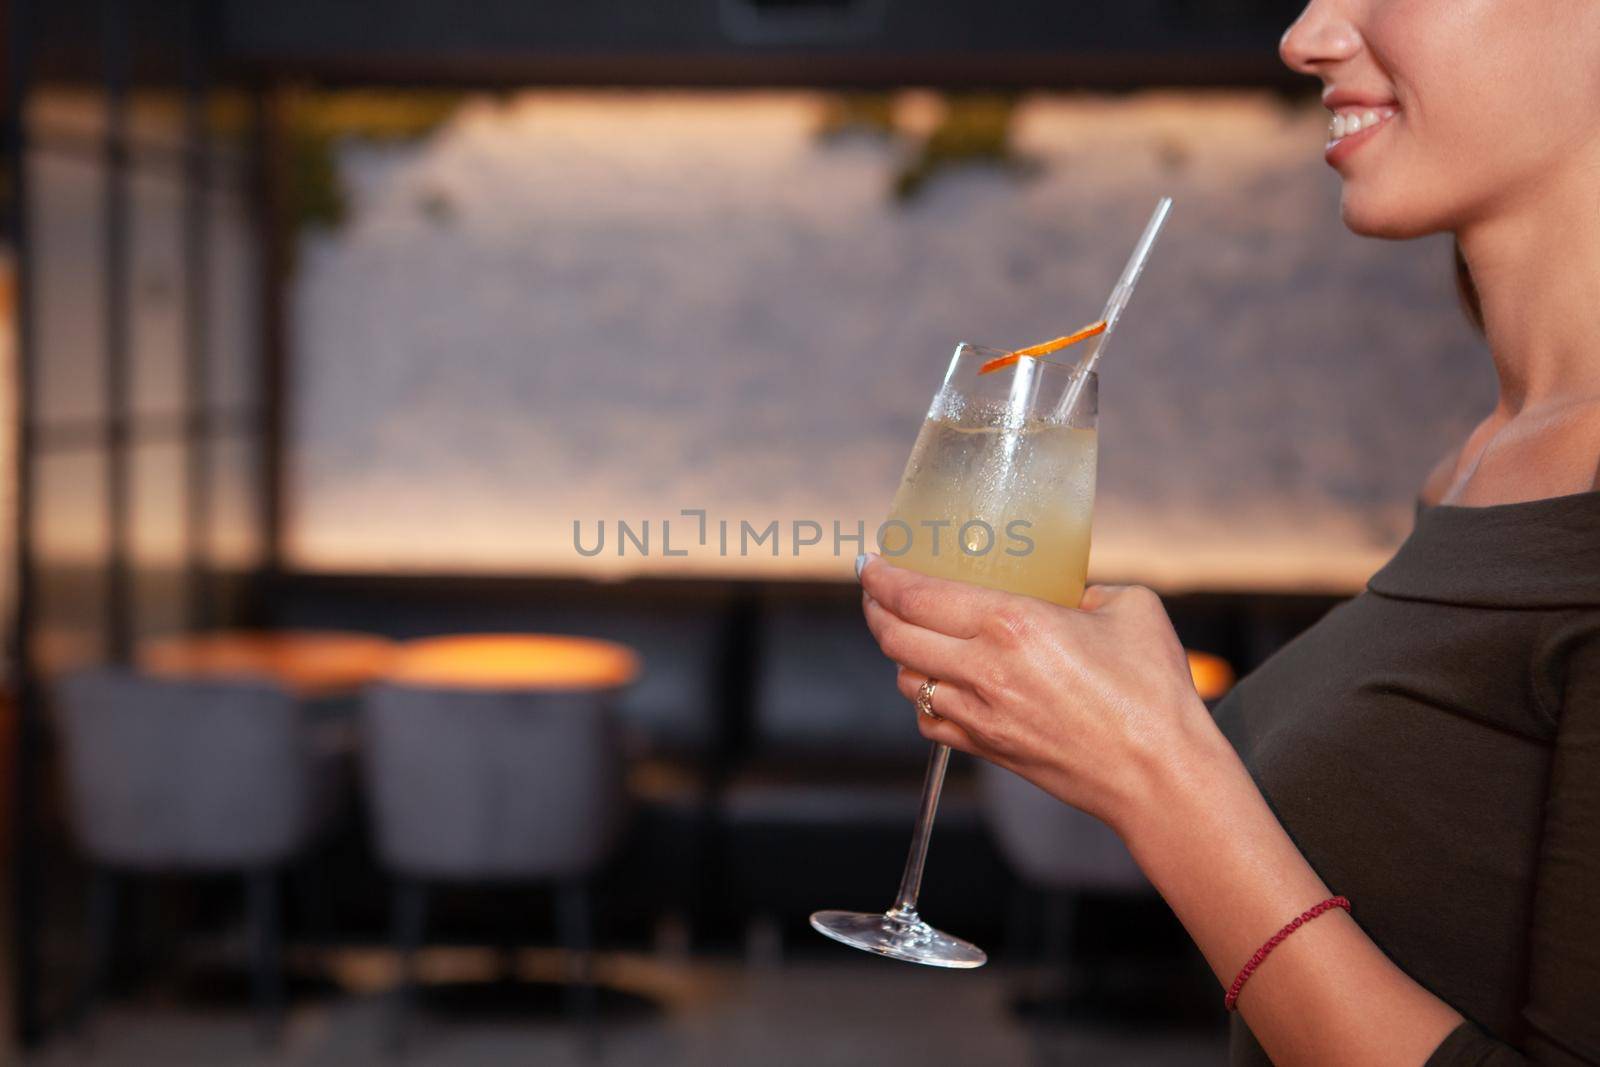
{"x":1467,"y":289}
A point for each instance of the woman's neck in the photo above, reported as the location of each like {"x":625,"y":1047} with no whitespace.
{"x":1537,"y":271}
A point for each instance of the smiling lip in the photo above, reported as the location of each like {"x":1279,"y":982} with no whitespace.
{"x":1356,"y":118}
{"x":1338,"y":99}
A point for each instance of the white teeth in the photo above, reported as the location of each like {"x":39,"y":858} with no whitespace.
{"x":1344,"y":124}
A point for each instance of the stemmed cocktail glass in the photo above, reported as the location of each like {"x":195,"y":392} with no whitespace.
{"x":999,"y":491}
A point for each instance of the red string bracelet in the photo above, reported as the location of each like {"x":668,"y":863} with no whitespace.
{"x":1231,"y":1001}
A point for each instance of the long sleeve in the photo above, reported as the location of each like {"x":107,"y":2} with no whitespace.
{"x":1561,"y":1018}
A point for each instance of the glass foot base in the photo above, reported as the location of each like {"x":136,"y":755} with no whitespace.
{"x":899,"y":935}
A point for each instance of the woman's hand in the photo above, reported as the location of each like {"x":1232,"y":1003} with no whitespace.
{"x":1094,"y":705}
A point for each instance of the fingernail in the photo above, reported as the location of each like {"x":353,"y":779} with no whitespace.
{"x":861,"y":561}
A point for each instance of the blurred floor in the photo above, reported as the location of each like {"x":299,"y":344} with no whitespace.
{"x":844,"y":1011}
{"x":8,"y":735}
{"x":8,"y":1052}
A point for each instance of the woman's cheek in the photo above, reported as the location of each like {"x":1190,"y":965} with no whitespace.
{"x":1483,"y":87}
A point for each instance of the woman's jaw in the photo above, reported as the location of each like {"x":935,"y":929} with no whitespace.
{"x":1364,"y":146}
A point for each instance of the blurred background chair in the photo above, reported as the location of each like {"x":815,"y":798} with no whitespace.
{"x":831,"y":776}
{"x":672,"y":716}
{"x":496,"y":759}
{"x":1061,"y":855}
{"x":191,"y":776}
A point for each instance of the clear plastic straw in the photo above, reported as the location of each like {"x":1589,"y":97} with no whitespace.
{"x":1114,"y":305}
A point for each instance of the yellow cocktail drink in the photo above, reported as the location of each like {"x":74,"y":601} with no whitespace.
{"x":1004,"y":508}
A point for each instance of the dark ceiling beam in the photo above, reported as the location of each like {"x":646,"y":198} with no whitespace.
{"x":1087,"y":44}
{"x":1101,"y":71}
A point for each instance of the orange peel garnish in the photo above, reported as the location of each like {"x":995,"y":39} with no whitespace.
{"x":1094,"y":329}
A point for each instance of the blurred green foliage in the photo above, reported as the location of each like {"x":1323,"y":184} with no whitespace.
{"x":974,"y":129}
{"x":315,"y":123}
{"x":844,"y":114}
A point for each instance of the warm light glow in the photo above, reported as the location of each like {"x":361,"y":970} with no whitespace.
{"x":514,"y":661}
{"x":308,"y":662}
{"x":1212,"y":675}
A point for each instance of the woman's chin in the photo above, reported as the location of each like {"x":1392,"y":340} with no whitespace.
{"x":1370,"y":213}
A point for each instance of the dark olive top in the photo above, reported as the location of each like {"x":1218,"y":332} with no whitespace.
{"x":1433,"y":747}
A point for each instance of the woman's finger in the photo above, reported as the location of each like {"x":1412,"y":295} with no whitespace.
{"x":935,"y":655}
{"x":947,"y":732}
{"x":956,"y":609}
{"x":950,"y":701}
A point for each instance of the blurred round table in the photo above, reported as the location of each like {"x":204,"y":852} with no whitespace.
{"x":513,"y":662}
{"x":1212,"y":675}
{"x":313,"y":664}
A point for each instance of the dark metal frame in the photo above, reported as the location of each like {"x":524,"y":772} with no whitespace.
{"x":197,"y":312}
{"x":273,"y":249}
{"x":25,"y":819}
{"x":118,"y":414}
{"x":115,"y":432}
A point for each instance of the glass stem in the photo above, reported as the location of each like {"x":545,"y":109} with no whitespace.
{"x":905,"y":903}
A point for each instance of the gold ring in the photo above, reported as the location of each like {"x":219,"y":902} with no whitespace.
{"x":925,"y":699}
